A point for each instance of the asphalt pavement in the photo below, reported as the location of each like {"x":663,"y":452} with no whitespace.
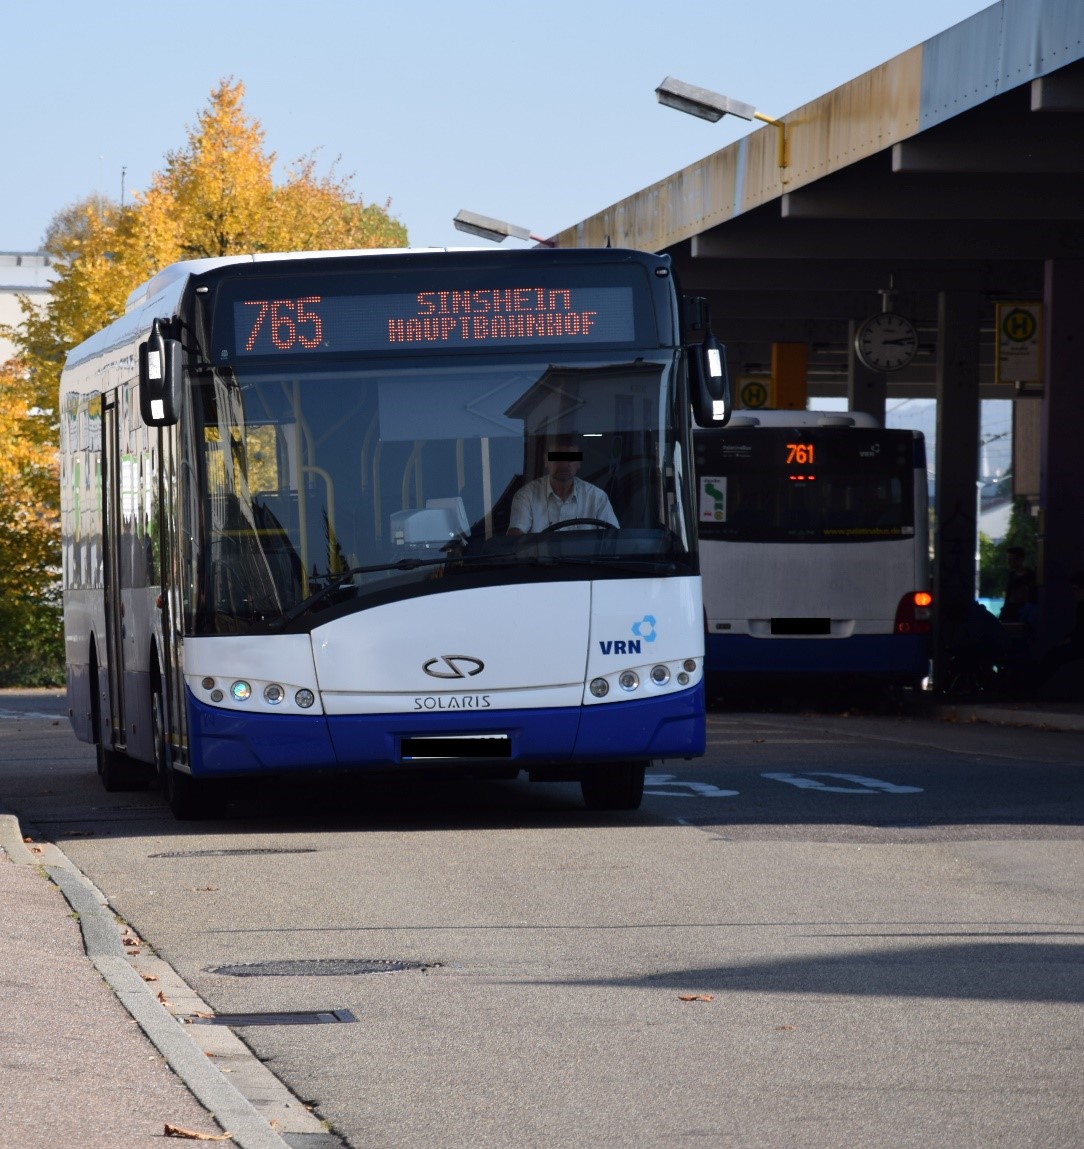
{"x":92,"y":1057}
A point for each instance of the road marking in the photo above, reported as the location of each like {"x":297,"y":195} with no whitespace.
{"x":694,"y":789}
{"x":861,"y":785}
{"x":771,"y":740}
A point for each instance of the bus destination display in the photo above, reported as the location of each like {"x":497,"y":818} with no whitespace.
{"x":279,"y":323}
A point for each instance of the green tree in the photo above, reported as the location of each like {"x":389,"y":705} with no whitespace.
{"x":215,"y":196}
{"x":1022,"y":531}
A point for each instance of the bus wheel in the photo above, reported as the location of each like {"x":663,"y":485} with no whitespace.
{"x":117,"y":771}
{"x":614,"y":786}
{"x":187,"y":798}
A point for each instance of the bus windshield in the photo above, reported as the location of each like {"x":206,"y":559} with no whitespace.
{"x":318,"y":487}
{"x":806,"y":484}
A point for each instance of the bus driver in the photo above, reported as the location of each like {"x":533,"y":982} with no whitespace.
{"x":559,"y":494}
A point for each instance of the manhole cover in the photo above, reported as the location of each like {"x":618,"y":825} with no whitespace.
{"x":319,"y":967}
{"x":239,"y":852}
{"x":239,"y":1019}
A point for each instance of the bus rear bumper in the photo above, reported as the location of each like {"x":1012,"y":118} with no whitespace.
{"x":895,"y":656}
{"x":224,"y":743}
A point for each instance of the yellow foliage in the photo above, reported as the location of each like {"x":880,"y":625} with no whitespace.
{"x":215,"y":196}
{"x":29,"y":473}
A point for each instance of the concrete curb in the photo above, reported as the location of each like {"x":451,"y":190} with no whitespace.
{"x":1010,"y":716}
{"x":101,"y":937}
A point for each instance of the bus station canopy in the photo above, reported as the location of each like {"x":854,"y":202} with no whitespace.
{"x":942,"y":185}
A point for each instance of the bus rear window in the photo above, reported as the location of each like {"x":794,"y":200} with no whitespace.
{"x":805,"y":484}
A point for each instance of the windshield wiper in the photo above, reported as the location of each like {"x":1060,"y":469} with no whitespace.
{"x":631,"y":565}
{"x":299,"y":609}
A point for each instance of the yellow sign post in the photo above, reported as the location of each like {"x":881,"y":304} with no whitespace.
{"x":1019,"y":342}
{"x":752,"y":391}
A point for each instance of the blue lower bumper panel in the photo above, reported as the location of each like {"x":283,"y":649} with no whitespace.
{"x":894,"y":655}
{"x":225,"y":743}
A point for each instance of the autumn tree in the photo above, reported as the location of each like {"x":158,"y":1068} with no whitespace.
{"x":31,"y":646}
{"x":215,"y":196}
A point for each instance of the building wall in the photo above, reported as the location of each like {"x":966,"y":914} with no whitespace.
{"x":28,"y":273}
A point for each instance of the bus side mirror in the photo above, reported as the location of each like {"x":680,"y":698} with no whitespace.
{"x":159,"y":378}
{"x":711,"y":383}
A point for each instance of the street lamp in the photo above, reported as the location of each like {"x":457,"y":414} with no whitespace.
{"x":495,"y":229}
{"x":712,"y":106}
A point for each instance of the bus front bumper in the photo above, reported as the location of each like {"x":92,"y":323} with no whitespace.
{"x":225,"y":743}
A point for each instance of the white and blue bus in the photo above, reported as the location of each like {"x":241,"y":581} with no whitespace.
{"x":286,"y":487}
{"x":814,"y":550}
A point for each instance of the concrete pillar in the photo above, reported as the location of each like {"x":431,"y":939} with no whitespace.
{"x":1061,"y":543}
{"x":956,"y":496}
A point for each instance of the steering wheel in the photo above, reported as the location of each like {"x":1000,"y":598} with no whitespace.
{"x":560,"y":526}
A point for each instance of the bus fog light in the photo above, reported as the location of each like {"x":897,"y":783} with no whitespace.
{"x":629,"y":681}
{"x":689,"y":664}
{"x":217,"y":696}
{"x":660,"y":675}
{"x":273,"y":694}
{"x":600,"y":687}
{"x":241,"y":691}
{"x":304,"y":699}
{"x":207,"y":683}
{"x":682,"y":678}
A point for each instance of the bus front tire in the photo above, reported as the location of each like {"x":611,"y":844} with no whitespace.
{"x":118,"y":772}
{"x":191,"y":799}
{"x":182,"y":794}
{"x":614,"y":786}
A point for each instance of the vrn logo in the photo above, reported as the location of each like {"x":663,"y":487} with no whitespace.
{"x":644,"y":631}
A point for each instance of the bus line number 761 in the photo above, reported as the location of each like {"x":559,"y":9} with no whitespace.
{"x":800,"y":453}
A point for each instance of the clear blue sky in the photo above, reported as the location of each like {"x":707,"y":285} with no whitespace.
{"x":541,"y":114}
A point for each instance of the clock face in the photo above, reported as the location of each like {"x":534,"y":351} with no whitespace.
{"x":886,"y":342}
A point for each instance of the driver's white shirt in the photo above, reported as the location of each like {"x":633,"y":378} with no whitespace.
{"x":536,"y":506}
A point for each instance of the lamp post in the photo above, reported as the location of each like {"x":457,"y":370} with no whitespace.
{"x":709,"y":105}
{"x":496,"y":230}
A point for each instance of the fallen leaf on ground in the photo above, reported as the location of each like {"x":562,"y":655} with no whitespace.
{"x":696,"y":997}
{"x":163,"y":999}
{"x":149,"y":976}
{"x":192,"y":1135}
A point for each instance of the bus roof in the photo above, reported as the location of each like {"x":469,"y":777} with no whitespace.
{"x":178,"y":273}
{"x":186,"y":267}
{"x":774,"y":418}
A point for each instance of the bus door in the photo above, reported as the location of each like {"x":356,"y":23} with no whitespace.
{"x":176,"y":562}
{"x":114,"y":607}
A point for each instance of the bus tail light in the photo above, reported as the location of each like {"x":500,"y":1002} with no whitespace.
{"x":914,"y":615}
